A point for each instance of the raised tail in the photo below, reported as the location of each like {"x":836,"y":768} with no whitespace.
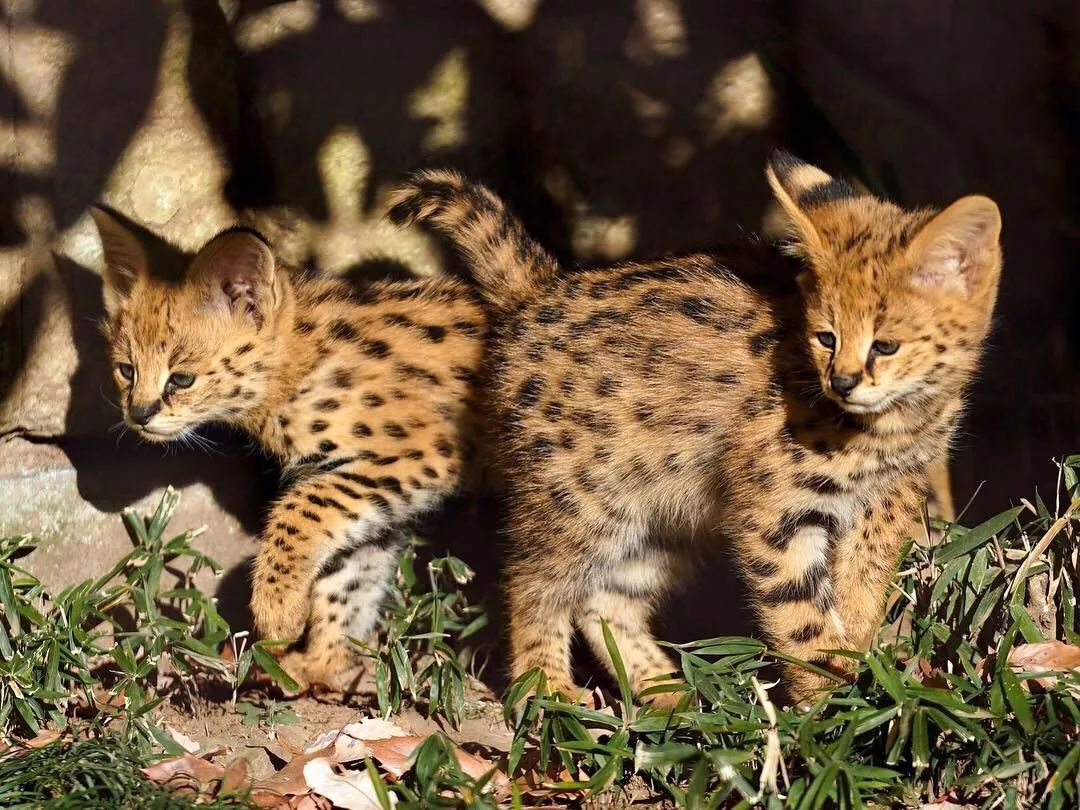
{"x":504,"y":261}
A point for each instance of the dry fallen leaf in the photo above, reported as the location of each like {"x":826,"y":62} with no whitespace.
{"x":393,"y":755}
{"x":185,"y":768}
{"x":351,"y":790}
{"x":46,"y":737}
{"x":1045,"y":655}
{"x":182,"y":740}
{"x":236,"y":777}
{"x":289,"y":781}
{"x":350,"y":742}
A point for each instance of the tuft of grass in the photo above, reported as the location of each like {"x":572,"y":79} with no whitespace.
{"x":98,"y":647}
{"x":101,"y":773}
{"x":424,"y":653}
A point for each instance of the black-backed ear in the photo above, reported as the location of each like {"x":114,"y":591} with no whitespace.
{"x":958,"y":250}
{"x":799,"y":187}
{"x":237,"y":273}
{"x":125,"y":259}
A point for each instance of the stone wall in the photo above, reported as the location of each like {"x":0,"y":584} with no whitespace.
{"x":615,"y":128}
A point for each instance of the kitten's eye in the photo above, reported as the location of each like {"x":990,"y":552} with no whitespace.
{"x":127,"y":371}
{"x":885,"y":347}
{"x":826,"y":339}
{"x":180,"y":381}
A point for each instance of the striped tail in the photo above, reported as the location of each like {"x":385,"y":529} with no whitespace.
{"x":504,"y":261}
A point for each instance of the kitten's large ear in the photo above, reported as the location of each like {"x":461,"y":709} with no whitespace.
{"x":236,"y":271}
{"x":797,"y":185}
{"x":125,"y":259}
{"x":958,"y":250}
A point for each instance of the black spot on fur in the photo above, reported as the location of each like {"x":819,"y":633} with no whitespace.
{"x":763,"y":341}
{"x":327,"y":405}
{"x":529,"y":392}
{"x":819,"y":483}
{"x":361,"y":431}
{"x":390,"y":483}
{"x":564,"y":500}
{"x":305,"y":327}
{"x":553,"y":411}
{"x":327,"y":446}
{"x":318,"y":426}
{"x":808,"y":632}
{"x":375,"y":348}
{"x":550,"y":315}
{"x":247,"y":347}
{"x":607,"y":385}
{"x":443,"y":447}
{"x":357,"y":478}
{"x":467,"y":328}
{"x":696,"y":308}
{"x":832,"y":191}
{"x":417,"y":373}
{"x":780,"y":538}
{"x":435,"y":334}
{"x":799,"y":589}
{"x":394,"y":430}
{"x":372,"y":400}
{"x":342,"y":330}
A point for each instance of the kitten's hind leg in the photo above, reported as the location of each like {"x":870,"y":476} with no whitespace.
{"x":540,"y":632}
{"x":625,"y":602}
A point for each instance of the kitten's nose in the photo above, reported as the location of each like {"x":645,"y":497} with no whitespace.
{"x":844,"y":384}
{"x":141,"y":414}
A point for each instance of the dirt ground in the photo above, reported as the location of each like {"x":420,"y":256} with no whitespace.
{"x":267,"y":744}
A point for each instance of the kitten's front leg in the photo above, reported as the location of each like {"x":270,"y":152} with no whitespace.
{"x":308,"y":529}
{"x":791,"y":583}
{"x":866,"y":559}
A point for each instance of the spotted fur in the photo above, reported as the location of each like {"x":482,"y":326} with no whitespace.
{"x":647,"y":407}
{"x":365,"y":397}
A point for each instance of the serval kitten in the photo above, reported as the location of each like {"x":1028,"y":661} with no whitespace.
{"x":364,"y":396}
{"x":645,"y":405}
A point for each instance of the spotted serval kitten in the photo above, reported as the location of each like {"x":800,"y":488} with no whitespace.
{"x":646,"y":404}
{"x":365,"y":397}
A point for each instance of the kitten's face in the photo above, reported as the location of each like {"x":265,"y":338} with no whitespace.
{"x":189,"y":353}
{"x":896,"y":303}
{"x":873,"y":340}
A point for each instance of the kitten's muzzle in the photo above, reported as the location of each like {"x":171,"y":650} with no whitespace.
{"x":141,"y":414}
{"x":844,"y":384}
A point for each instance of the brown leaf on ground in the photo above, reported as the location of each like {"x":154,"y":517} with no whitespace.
{"x":289,"y":781}
{"x":1046,"y":655}
{"x":393,"y":755}
{"x":931,"y":676}
{"x":46,"y":737}
{"x":236,"y":777}
{"x":184,"y":769}
{"x":350,"y":742}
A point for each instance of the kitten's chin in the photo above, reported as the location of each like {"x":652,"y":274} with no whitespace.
{"x":865,"y":407}
{"x":158,"y":434}
{"x":155,"y":435}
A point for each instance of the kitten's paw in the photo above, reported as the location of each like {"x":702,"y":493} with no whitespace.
{"x":667,"y":700}
{"x":338,"y":672}
{"x":280,"y":613}
{"x":805,"y":688}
